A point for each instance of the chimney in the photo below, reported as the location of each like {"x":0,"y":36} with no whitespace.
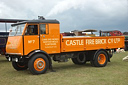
{"x":41,"y":18}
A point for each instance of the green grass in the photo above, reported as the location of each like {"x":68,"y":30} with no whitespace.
{"x":115,"y":73}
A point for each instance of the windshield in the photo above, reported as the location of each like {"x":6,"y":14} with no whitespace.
{"x":17,"y":30}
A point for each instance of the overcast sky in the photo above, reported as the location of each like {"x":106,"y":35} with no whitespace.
{"x":72,"y":14}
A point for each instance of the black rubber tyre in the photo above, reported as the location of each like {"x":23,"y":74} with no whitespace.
{"x":92,"y":63}
{"x":19,"y":65}
{"x":80,"y":59}
{"x":7,"y":57}
{"x":38,"y":64}
{"x":100,"y":60}
{"x":125,"y":48}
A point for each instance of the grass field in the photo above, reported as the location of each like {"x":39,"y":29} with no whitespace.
{"x":115,"y":73}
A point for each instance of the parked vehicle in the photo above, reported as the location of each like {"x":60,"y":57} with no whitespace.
{"x":32,"y":44}
{"x":68,"y":34}
{"x":4,"y":35}
{"x":86,"y":32}
{"x":111,"y":33}
{"x":3,"y":40}
{"x":116,"y":33}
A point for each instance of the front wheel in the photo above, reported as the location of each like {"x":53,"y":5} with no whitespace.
{"x":19,"y":65}
{"x":38,"y":64}
{"x":101,"y":59}
{"x":7,"y":57}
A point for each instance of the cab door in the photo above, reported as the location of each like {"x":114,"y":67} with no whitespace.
{"x":44,"y":37}
{"x":49,"y":38}
{"x":31,"y":38}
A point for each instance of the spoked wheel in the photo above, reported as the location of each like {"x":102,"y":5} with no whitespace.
{"x":19,"y":65}
{"x":101,"y":59}
{"x":38,"y":64}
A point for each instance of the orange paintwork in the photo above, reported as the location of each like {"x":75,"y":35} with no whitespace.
{"x":31,"y":42}
{"x":101,"y":59}
{"x":39,"y":64}
{"x":91,"y":43}
{"x":15,"y":45}
{"x":52,"y":42}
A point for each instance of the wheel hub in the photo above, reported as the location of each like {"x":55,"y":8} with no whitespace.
{"x":40,"y":64}
{"x":99,"y":58}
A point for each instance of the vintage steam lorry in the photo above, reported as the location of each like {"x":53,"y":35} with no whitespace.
{"x":34,"y":43}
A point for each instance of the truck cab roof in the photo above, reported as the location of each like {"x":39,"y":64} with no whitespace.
{"x":37,"y":21}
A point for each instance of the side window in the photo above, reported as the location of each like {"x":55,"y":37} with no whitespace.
{"x":42,"y":29}
{"x":32,"y":30}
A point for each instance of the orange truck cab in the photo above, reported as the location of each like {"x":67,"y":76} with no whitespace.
{"x":34,"y":43}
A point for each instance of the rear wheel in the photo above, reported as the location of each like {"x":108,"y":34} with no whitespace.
{"x":19,"y":65}
{"x":38,"y":64}
{"x":125,"y":48}
{"x":80,"y":59}
{"x":101,"y":59}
